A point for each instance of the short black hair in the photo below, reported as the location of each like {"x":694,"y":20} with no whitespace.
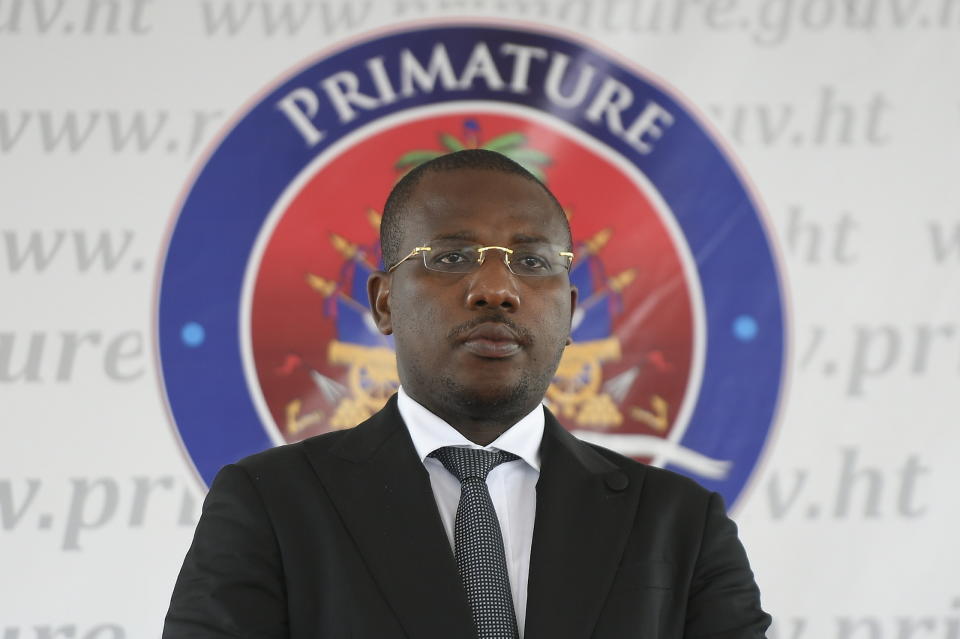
{"x":482,"y":159}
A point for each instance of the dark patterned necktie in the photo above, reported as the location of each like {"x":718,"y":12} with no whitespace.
{"x":478,"y":541}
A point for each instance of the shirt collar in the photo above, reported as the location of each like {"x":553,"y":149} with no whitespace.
{"x":429,"y":432}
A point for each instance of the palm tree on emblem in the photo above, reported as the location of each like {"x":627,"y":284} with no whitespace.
{"x":513,"y":145}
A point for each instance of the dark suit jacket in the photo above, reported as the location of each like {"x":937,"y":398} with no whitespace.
{"x":338,"y":536}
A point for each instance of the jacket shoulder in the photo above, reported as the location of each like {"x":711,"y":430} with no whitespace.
{"x":653,"y":477}
{"x":349,"y":444}
{"x":289,"y":455}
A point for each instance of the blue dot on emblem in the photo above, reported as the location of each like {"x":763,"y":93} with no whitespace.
{"x":745,"y":328}
{"x":192,"y":334}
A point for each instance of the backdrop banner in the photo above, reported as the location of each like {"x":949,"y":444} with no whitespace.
{"x":767,"y":251}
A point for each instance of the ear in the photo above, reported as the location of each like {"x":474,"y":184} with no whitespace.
{"x":378,"y":292}
{"x":573,"y":308}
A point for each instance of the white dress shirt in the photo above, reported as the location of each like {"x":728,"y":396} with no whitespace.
{"x":512,"y":485}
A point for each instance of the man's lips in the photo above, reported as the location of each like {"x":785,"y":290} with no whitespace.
{"x":492,"y":340}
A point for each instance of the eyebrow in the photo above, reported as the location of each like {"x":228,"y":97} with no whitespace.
{"x":520,"y":238}
{"x":459,"y":235}
{"x":529,"y":239}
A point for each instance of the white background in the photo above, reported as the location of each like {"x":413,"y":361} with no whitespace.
{"x":845,"y":115}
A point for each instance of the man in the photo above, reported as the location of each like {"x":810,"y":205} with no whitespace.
{"x":383,"y":530}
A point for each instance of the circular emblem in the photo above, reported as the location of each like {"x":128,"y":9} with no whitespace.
{"x":265,"y":336}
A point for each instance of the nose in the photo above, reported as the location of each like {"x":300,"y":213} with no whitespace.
{"x":493,"y":286}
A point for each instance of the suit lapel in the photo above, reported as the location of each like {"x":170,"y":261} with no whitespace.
{"x":585,"y":511}
{"x":382,"y":492}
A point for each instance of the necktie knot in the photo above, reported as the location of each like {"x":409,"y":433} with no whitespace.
{"x":471,"y":463}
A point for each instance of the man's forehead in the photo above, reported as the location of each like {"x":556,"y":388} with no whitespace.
{"x":463,"y":204}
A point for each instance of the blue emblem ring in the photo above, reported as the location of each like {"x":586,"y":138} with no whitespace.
{"x":199,"y":341}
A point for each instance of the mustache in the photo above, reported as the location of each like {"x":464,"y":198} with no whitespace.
{"x":524,"y":336}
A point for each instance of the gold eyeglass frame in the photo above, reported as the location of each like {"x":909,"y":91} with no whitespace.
{"x":482,"y":250}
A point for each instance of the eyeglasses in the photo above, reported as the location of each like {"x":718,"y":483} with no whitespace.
{"x":528,"y":260}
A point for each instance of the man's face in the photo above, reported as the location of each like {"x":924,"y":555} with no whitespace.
{"x":485,"y":343}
